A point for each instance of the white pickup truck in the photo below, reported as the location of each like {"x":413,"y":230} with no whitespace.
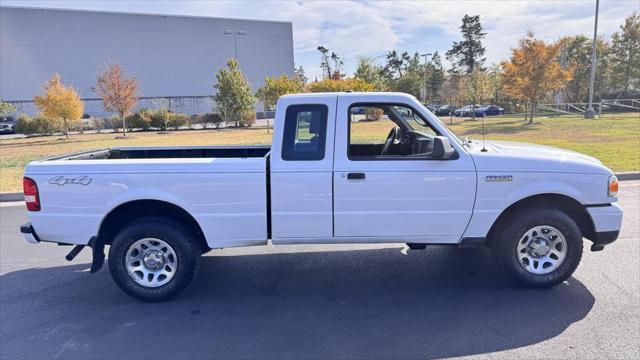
{"x":342,"y":168}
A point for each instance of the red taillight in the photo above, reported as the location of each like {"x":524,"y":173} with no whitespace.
{"x":31,"y":196}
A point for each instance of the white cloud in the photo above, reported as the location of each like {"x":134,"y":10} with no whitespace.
{"x":371,"y":28}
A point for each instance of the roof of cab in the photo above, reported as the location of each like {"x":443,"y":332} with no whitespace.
{"x":349,"y":94}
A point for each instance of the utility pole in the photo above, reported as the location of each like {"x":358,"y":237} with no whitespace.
{"x":426,"y":63}
{"x":235,"y":40}
{"x":590,"y":113}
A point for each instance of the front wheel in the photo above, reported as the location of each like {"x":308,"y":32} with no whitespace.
{"x":539,"y":247}
{"x":154,"y":259}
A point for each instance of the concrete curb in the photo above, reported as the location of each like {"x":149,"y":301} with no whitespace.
{"x":6,"y":197}
{"x":630,"y":175}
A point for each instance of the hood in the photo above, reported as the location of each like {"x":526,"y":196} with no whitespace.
{"x":508,"y":155}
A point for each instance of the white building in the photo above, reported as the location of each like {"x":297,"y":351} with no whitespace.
{"x":173,"y":57}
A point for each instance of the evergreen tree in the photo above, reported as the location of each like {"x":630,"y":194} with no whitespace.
{"x":468,"y":54}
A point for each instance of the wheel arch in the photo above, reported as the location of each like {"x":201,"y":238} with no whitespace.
{"x":132,"y":210}
{"x":565,"y":203}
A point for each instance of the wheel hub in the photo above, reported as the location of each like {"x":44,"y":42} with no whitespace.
{"x":538,"y":247}
{"x":151,"y":262}
{"x":153,"y":259}
{"x":541,"y":249}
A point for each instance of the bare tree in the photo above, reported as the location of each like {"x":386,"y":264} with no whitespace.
{"x":119,"y":93}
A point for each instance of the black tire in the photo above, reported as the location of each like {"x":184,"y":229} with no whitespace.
{"x":513,"y":229}
{"x":183,"y":242}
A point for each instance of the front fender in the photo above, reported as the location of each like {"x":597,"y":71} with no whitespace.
{"x":493,"y":197}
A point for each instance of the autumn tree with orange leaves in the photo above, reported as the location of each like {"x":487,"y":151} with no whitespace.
{"x":59,"y":102}
{"x":118,"y":92}
{"x":533,"y":71}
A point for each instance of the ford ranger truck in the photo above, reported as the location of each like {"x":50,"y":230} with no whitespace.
{"x":342,"y":168}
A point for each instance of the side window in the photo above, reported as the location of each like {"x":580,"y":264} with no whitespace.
{"x":305,"y":132}
{"x":388,"y":131}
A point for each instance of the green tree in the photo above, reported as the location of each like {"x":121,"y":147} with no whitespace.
{"x":404,"y":73}
{"x":274,"y":87}
{"x":475,"y":88}
{"x":435,"y":78}
{"x":330,"y":63}
{"x":468,"y":54}
{"x":625,"y":55}
{"x":575,"y":55}
{"x":6,"y":107}
{"x":397,"y":64}
{"x":495,"y":81}
{"x":233,"y":97}
{"x":368,"y":71}
{"x":301,"y":74}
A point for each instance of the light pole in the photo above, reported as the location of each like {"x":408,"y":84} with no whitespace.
{"x":426,"y":63}
{"x":235,"y":40}
{"x":590,"y":113}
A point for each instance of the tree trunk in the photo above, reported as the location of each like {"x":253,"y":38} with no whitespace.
{"x":533,"y":109}
{"x":473,"y":111}
{"x":124,"y":125}
{"x":526,"y":110}
{"x":66,"y":128}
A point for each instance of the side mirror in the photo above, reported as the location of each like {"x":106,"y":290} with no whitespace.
{"x":442,"y":148}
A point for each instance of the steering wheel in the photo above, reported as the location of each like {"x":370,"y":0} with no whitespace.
{"x":393,"y":135}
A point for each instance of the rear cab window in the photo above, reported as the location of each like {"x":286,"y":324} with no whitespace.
{"x":305,"y":132}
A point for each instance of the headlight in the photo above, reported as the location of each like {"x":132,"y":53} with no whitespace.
{"x":613,"y":186}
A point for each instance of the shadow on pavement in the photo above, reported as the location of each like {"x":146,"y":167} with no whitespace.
{"x":436,"y":303}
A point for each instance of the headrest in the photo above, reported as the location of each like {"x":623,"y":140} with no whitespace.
{"x":315,"y":126}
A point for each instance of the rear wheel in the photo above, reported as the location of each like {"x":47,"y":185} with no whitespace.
{"x":539,"y":247}
{"x":154,"y":259}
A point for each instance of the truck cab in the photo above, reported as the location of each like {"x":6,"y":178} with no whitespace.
{"x":390,"y":174}
{"x":342,"y":168}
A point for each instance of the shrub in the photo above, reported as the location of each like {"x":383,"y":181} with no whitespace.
{"x":98,"y":124}
{"x":140,"y":120}
{"x":332,"y":85}
{"x":37,"y":125}
{"x":160,"y":119}
{"x":247,"y":118}
{"x":210,"y":118}
{"x":177,"y":120}
{"x":24,"y":125}
{"x":373,"y":113}
{"x":114,"y":122}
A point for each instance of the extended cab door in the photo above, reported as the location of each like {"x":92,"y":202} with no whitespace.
{"x":393,"y":194}
{"x":301,"y":169}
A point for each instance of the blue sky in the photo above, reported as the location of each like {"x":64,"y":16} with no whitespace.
{"x":371,"y":28}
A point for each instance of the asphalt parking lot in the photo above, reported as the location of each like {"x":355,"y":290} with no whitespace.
{"x":323,"y":302}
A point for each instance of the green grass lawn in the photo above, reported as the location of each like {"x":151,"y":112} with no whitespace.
{"x":614,"y":139}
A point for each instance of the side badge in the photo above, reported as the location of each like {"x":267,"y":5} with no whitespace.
{"x":63,"y":180}
{"x":498,"y":178}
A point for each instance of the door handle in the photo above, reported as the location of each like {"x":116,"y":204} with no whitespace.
{"x":356,"y":176}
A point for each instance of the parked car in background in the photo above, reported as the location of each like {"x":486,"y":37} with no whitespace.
{"x":464,"y":111}
{"x":7,"y":125}
{"x":489,"y":110}
{"x":445,"y":110}
{"x":432,"y":107}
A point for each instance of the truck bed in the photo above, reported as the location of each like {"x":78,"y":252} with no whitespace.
{"x":170,"y":152}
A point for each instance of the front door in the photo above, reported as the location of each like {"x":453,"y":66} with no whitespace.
{"x":387,"y":188}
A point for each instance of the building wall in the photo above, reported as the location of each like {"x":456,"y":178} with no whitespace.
{"x":172,"y":56}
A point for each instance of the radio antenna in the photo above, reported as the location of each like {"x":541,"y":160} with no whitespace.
{"x":484,"y":149}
